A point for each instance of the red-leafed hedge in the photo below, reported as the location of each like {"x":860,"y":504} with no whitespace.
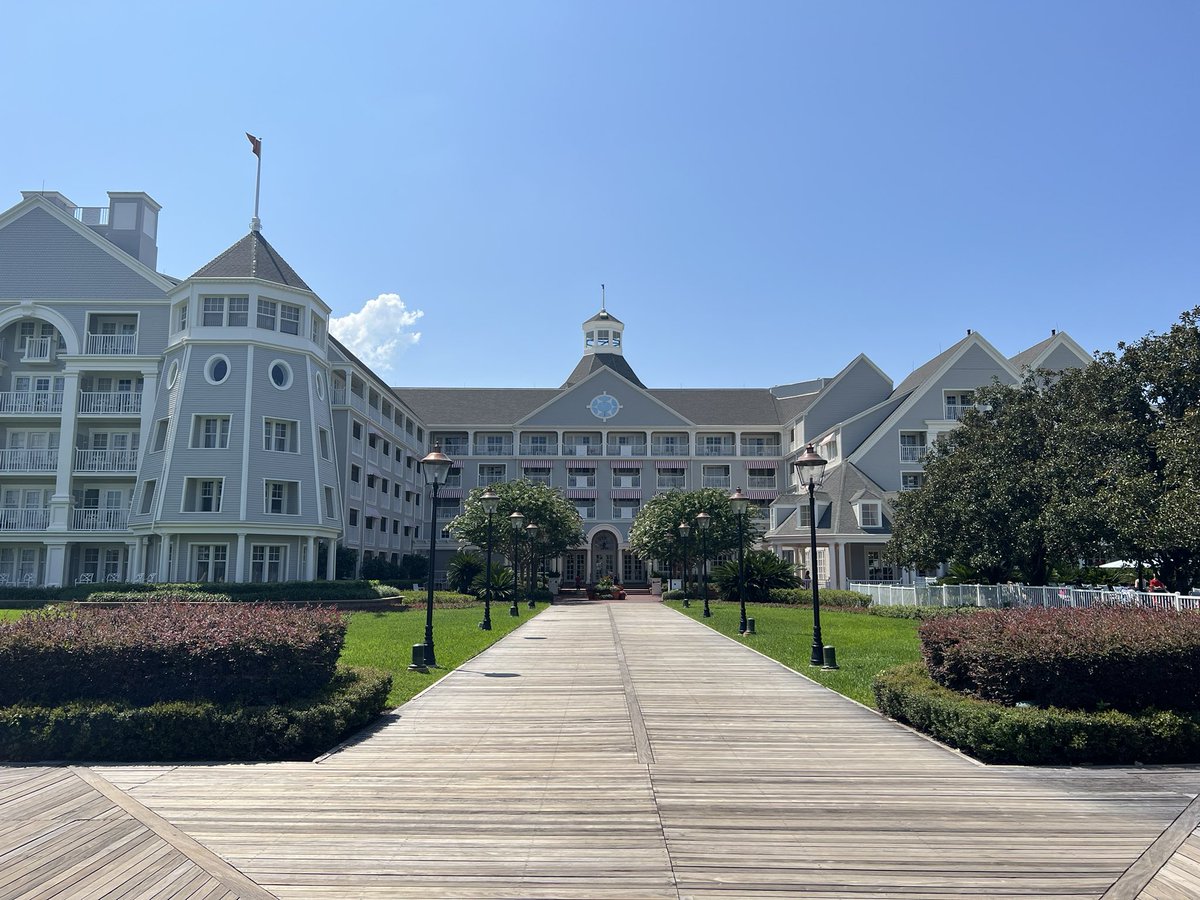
{"x":147,"y":653}
{"x":1098,"y":658}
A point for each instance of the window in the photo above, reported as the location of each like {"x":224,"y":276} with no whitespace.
{"x":353,"y":514}
{"x":538,"y":476}
{"x":355,"y":473}
{"x":267,"y":562}
{"x":324,"y":436}
{"x":383,"y":486}
{"x":267,"y":310}
{"x":957,"y":402}
{"x":356,"y":431}
{"x":383,"y":524}
{"x":281,"y":374}
{"x":912,"y":446}
{"x":289,"y":318}
{"x":217,"y":369}
{"x":715,"y":476}
{"x":491,"y":474}
{"x":760,"y":478}
{"x":586,"y":509}
{"x":209,"y":562}
{"x":319,"y":385}
{"x":148,"y":496}
{"x":395,"y":526}
{"x":387,"y":448}
{"x":911,"y":481}
{"x":330,"y":505}
{"x":396,"y":490}
{"x":210,"y":432}
{"x":202,"y":494}
{"x":279,"y":435}
{"x":181,"y":316}
{"x":213,"y":312}
{"x":239,"y":311}
{"x":625,"y":509}
{"x":581,"y":478}
{"x":627,"y":478}
{"x":160,"y":434}
{"x":371,"y":482}
{"x":373,"y":440}
{"x":318,"y":330}
{"x":868,"y":515}
{"x":282,"y":498}
{"x":173,"y":373}
{"x":454,"y":477}
{"x":672,"y":479}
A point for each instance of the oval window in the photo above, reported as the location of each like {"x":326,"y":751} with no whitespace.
{"x":173,"y":374}
{"x":281,"y":374}
{"x":319,"y":381}
{"x":217,"y":370}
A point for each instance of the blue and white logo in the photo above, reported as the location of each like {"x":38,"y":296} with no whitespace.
{"x":604,"y":406}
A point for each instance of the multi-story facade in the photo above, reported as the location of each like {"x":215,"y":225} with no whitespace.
{"x":204,"y":429}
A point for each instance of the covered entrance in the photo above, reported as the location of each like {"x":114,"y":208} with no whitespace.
{"x":604,"y":556}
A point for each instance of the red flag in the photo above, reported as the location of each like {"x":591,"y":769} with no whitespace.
{"x":255,"y":145}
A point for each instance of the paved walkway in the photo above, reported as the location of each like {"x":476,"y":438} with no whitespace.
{"x":608,"y":751}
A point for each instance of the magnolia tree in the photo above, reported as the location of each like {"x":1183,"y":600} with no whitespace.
{"x":655,"y":532}
{"x":559,"y":525}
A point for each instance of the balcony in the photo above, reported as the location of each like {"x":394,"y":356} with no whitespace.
{"x":110,"y":344}
{"x":618,"y":449}
{"x":715,"y":449}
{"x":486,"y":449}
{"x":954,"y":411}
{"x":755,"y":449}
{"x":24,"y":519}
{"x":99,"y":519}
{"x":627,"y":513}
{"x":31,"y":402}
{"x":110,"y":403}
{"x":912,"y":454}
{"x":91,"y":215}
{"x":582,"y":450}
{"x":581,"y":482}
{"x":338,"y":396}
{"x":124,"y":461}
{"x":19,"y":460}
{"x":715,"y":481}
{"x":761,"y":482}
{"x":454,"y":448}
{"x":669,"y":449}
{"x":672,"y":482}
{"x":39,"y":350}
{"x":539,"y":449}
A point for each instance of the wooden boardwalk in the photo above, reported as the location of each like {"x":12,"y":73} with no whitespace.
{"x":607,"y":751}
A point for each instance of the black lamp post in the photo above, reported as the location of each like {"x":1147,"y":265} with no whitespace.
{"x":532,"y":531}
{"x":684,"y":530}
{"x":517,"y":521}
{"x":810,"y":470}
{"x":739,"y":502}
{"x":436,"y":465}
{"x":703,"y":520}
{"x":490,"y":499}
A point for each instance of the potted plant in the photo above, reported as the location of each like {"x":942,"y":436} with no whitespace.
{"x":605,"y":589}
{"x":553,"y":581}
{"x":656,"y":583}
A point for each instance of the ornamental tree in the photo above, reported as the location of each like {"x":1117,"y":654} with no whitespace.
{"x":655,"y":530}
{"x":559,"y":525}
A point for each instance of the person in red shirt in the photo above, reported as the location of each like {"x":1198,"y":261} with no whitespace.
{"x":1157,"y":586}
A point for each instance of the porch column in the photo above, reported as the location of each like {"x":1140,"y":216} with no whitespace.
{"x":131,"y":558}
{"x":310,"y":560}
{"x":60,"y":501}
{"x":331,"y":560}
{"x":164,"y":547}
{"x":844,"y":575}
{"x":239,"y":564}
{"x":56,"y":564}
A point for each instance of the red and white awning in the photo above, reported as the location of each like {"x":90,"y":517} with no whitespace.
{"x":763,"y":464}
{"x":581,"y":493}
{"x":627,"y":493}
{"x":762,"y":495}
{"x":626,"y":463}
{"x":670,"y":464}
{"x":537,"y":464}
{"x":581,"y":464}
{"x":450,"y":492}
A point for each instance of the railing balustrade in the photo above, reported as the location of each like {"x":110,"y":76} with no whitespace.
{"x":714,"y":481}
{"x":31,"y":402}
{"x":38,"y":349}
{"x":618,"y":449}
{"x":670,"y":482}
{"x":99,"y":519}
{"x":106,"y":460}
{"x":582,"y":450}
{"x":338,"y":396}
{"x":659,"y":449}
{"x":714,"y":450}
{"x":1018,"y":595}
{"x":485,"y":449}
{"x":109,"y":403}
{"x":21,"y":460}
{"x":110,"y":344}
{"x":912,"y":454}
{"x":539,"y":449}
{"x":24,"y":519}
{"x":761,"y":449}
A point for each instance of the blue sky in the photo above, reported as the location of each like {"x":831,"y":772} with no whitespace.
{"x":767,"y":189}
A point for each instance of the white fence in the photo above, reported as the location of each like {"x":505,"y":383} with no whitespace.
{"x":1005,"y":595}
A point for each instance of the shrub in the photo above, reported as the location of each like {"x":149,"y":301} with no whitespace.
{"x":208,"y":592}
{"x":909,"y":611}
{"x":763,"y":571}
{"x":803,"y":596}
{"x":182,"y":730}
{"x":673,"y":595}
{"x":501,"y":585}
{"x":1029,"y":736}
{"x":145,"y":653}
{"x":462,"y":569}
{"x":1129,"y":659}
{"x":445,"y":600}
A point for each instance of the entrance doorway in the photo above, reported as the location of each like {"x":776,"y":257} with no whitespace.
{"x":604,"y":556}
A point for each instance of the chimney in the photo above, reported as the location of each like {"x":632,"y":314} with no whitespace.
{"x":133,"y":225}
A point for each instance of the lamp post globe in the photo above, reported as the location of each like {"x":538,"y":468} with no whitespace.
{"x":516,"y":522}
{"x":531,"y":531}
{"x":739,"y":502}
{"x":435,"y":466}
{"x":489,"y":499}
{"x":703,"y":520}
{"x":684,"y":530}
{"x":810,"y":472}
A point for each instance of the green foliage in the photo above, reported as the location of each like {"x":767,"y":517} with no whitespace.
{"x":1031,"y":736}
{"x":764,"y":571}
{"x":344,"y":563}
{"x":411,"y":568}
{"x":559,"y":526}
{"x":673,"y":595}
{"x":654,"y":534}
{"x":181,"y":730}
{"x":462,"y":570}
{"x":209,"y":592}
{"x":829,"y":597}
{"x":905,"y":611}
{"x":501,"y":586}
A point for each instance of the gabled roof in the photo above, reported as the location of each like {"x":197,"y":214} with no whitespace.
{"x":475,"y":406}
{"x":1039,"y":352}
{"x":843,"y":485}
{"x":253,"y":257}
{"x":921,"y":373}
{"x":1027,"y":357}
{"x":592,"y":362}
{"x":604,"y":316}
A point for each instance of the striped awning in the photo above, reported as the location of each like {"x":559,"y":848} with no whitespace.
{"x":627,"y":493}
{"x":581,"y":464}
{"x":581,"y":493}
{"x":763,"y":464}
{"x":762,"y":495}
{"x":450,"y":492}
{"x":626,"y":463}
{"x":537,"y":464}
{"x":670,"y":464}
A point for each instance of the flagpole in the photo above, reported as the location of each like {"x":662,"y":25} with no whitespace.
{"x":257,"y":183}
{"x":256,"y":149}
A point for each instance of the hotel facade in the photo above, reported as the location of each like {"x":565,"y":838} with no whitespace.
{"x":210,"y":429}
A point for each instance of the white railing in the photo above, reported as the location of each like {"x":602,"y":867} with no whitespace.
{"x":338,"y":396}
{"x":24,"y":519}
{"x":671,"y":482}
{"x":714,"y":481}
{"x":91,"y":215}
{"x":31,"y":402}
{"x":760,"y":482}
{"x":375,"y":415}
{"x":110,"y":344}
{"x":38,"y":349}
{"x":110,"y":403}
{"x":1017,"y":595}
{"x":912,"y":454}
{"x":484,"y":449}
{"x":582,"y":450}
{"x":954,"y":412}
{"x":760,"y":449}
{"x":623,"y":512}
{"x":573,"y":482}
{"x":659,"y":449}
{"x":714,"y":450}
{"x":627,"y":481}
{"x":106,"y":460}
{"x":99,"y":519}
{"x":454,"y":448}
{"x":617,"y":449}
{"x":28,"y":460}
{"x":539,"y":449}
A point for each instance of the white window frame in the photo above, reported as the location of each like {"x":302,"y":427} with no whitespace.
{"x":199,"y":434}
{"x":290,"y":318}
{"x":267,"y":311}
{"x":875,"y":508}
{"x":271,"y":437}
{"x":210,"y":552}
{"x":199,"y":481}
{"x":243,"y":313}
{"x":268,"y":499}
{"x":261,"y":562}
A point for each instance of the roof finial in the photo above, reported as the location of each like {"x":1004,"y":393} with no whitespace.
{"x":602,"y":306}
{"x":256,"y":149}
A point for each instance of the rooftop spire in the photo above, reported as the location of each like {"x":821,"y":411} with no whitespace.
{"x":602,"y":307}
{"x":256,"y":149}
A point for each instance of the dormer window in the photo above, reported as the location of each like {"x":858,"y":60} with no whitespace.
{"x":869,"y":514}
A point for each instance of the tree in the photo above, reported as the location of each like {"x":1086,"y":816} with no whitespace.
{"x":655,"y":531}
{"x":764,"y":571}
{"x":559,"y":525}
{"x":462,"y":569}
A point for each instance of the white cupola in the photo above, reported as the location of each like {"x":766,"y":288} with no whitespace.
{"x":602,"y":333}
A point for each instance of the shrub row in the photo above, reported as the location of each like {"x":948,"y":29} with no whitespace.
{"x":144,"y":653}
{"x":829,"y":597}
{"x":1029,"y":736}
{"x":180,"y":730}
{"x":1096,"y":658}
{"x":295,"y":591}
{"x":909,"y":611}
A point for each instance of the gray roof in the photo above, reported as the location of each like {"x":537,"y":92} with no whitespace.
{"x":252,"y":257}
{"x":593,"y":361}
{"x":790,"y":407}
{"x":605,"y":316}
{"x":1026,"y":357}
{"x":475,"y":406}
{"x":921,"y":373}
{"x":722,"y":406}
{"x":843,"y":485}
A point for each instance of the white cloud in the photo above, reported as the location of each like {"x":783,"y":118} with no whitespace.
{"x":379,"y":332}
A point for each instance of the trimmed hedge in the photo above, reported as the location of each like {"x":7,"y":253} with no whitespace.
{"x":829,"y":597}
{"x":144,"y":653}
{"x":179,"y":730}
{"x":908,"y":611}
{"x":1030,"y":736}
{"x":293,"y":591}
{"x":1098,"y":658}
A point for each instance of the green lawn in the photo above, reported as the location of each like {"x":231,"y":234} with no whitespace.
{"x":383,"y":640}
{"x":865,"y":644}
